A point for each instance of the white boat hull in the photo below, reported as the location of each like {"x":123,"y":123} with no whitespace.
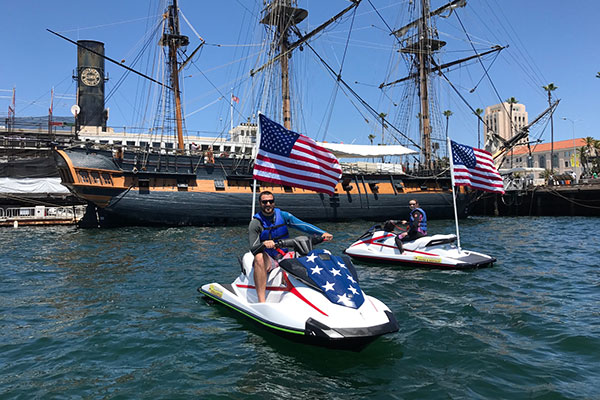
{"x":437,"y":251}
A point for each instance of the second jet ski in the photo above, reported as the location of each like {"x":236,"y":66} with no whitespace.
{"x":378,"y":245}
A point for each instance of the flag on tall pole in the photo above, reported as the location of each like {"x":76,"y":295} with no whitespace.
{"x":288,"y":158}
{"x":235,"y":98}
{"x":475,"y":168}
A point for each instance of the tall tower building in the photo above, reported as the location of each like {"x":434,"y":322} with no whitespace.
{"x":497,"y":119}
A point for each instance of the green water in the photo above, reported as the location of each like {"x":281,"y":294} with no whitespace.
{"x":115,"y":314}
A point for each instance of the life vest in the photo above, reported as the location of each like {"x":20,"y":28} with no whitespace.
{"x":423,"y":224}
{"x":273,"y":230}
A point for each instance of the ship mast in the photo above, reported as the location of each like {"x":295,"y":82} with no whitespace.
{"x":284,"y":16}
{"x":174,"y":40}
{"x":422,"y":46}
{"x":423,"y":61}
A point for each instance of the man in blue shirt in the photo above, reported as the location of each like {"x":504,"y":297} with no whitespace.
{"x":266,"y":227}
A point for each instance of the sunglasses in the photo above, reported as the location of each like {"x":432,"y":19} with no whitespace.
{"x":412,"y":204}
{"x":267,"y":201}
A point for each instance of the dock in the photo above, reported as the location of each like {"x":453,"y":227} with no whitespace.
{"x":41,"y":215}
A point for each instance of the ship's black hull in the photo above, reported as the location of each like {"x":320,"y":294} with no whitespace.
{"x":186,"y":191}
{"x":205,"y":209}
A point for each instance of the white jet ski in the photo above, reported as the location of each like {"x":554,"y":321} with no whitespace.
{"x":438,"y":251}
{"x":313,"y":297}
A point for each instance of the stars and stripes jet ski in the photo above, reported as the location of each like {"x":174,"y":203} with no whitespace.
{"x":312,"y":297}
{"x":378,"y":245}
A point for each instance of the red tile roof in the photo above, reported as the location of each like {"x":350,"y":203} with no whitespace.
{"x":545,"y":147}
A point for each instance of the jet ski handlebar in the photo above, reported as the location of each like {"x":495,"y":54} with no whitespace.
{"x":300,"y":244}
{"x":298,"y":241}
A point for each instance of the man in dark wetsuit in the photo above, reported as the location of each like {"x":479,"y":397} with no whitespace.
{"x":416,"y":225}
{"x":267,"y":226}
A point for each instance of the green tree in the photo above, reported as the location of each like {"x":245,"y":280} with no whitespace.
{"x":371,"y":137}
{"x":478,"y":112}
{"x":447,"y":114}
{"x":383,"y":126}
{"x":549,"y":88}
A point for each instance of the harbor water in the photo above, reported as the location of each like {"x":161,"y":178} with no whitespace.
{"x":116,"y":314}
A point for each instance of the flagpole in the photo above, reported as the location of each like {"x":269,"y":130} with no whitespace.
{"x":448,"y":144}
{"x":254,"y":155}
{"x":231,"y":107}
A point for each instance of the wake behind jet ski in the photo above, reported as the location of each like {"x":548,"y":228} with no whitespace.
{"x":312,"y":297}
{"x":378,"y":245}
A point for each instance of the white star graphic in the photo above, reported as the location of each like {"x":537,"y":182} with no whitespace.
{"x":353,"y":290}
{"x":311,"y":258}
{"x":316,"y":270}
{"x":328,"y":286}
{"x":345,"y":300}
{"x":335,"y":272}
{"x":342,"y":265}
{"x":351,"y":279}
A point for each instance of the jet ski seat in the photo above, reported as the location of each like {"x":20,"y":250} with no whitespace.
{"x":428,"y":241}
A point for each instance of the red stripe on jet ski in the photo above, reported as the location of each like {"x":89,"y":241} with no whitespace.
{"x":287,"y":288}
{"x":299,"y":295}
{"x":373,"y":241}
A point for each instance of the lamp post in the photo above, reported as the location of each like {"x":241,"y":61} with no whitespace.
{"x":574,"y":147}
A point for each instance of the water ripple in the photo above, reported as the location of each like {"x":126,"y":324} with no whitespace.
{"x":115,"y":314}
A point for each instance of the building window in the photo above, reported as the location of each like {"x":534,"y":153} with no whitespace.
{"x":156,"y":145}
{"x":542,"y":161}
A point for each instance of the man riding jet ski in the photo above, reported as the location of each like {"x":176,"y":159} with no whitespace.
{"x":380,"y":245}
{"x":312,"y":296}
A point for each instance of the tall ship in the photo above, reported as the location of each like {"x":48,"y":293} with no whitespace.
{"x":139,"y":182}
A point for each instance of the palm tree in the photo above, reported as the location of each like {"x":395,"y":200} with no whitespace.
{"x":582,"y":153}
{"x":382,"y":116}
{"x":598,"y":75}
{"x":478,"y":112}
{"x":447,"y":114}
{"x":383,"y":126}
{"x":512,"y":101}
{"x":546,"y":174}
{"x":590,"y":144}
{"x":371,"y":137}
{"x":550,"y":88}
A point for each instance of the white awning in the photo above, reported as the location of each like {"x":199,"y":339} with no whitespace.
{"x":341,"y":150}
{"x":32,"y":185}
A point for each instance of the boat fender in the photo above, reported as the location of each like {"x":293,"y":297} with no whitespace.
{"x":134,"y":170}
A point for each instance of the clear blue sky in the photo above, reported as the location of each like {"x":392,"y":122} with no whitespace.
{"x":549,"y":41}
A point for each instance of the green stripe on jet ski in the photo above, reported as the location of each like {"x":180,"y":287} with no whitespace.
{"x":251,"y":316}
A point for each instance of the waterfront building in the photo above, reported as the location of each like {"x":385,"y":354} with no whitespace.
{"x":497,"y":120}
{"x":566,"y":157}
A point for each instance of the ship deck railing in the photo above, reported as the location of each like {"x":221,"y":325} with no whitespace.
{"x":42,"y":213}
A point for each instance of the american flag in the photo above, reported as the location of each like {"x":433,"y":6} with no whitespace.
{"x":288,"y":158}
{"x":331,"y":274}
{"x":475,"y":168}
{"x":235,"y":98}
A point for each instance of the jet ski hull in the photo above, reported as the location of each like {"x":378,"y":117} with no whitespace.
{"x":298,"y":312}
{"x":438,"y":252}
{"x":315,"y":333}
